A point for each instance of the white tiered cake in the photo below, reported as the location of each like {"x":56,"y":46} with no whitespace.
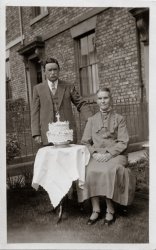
{"x":59,"y":132}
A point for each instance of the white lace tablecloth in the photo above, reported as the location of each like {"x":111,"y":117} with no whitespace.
{"x":56,"y":168}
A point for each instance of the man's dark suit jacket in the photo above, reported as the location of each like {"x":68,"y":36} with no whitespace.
{"x":42,"y":110}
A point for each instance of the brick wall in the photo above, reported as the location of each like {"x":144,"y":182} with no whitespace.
{"x":56,"y":18}
{"x":17,"y":72}
{"x":117,"y":54}
{"x":62,"y":48}
{"x":12,"y":23}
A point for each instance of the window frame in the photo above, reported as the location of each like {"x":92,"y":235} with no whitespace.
{"x":90,"y":97}
{"x":44,"y":13}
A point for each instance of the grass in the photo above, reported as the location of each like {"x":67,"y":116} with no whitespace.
{"x":28,"y":222}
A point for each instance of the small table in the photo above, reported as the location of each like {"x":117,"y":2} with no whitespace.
{"x":55,"y":169}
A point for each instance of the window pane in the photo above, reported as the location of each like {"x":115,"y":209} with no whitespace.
{"x":95,"y":78}
{"x":84,"y":60}
{"x":91,"y":48}
{"x":90,"y":82}
{"x":36,"y":11}
{"x":84,"y":82}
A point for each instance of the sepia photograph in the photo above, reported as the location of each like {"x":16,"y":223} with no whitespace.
{"x":77,"y":125}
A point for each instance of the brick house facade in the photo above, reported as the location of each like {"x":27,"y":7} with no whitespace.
{"x":94,"y":46}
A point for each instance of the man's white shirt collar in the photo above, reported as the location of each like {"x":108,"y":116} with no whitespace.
{"x":50,"y":84}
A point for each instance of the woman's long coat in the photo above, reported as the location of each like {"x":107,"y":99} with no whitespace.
{"x":112,"y":179}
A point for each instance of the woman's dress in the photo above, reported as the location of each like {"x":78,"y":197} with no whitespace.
{"x":108,"y":133}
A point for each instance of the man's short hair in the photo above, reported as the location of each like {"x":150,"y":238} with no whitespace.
{"x":51,"y":60}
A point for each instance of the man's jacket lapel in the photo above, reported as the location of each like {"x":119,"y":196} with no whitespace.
{"x":47,"y":91}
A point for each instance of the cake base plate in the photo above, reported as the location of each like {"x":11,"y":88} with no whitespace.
{"x":62,"y":144}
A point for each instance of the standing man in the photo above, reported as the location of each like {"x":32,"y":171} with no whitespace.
{"x":50,"y":97}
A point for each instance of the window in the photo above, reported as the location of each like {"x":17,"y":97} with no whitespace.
{"x":8,"y":79}
{"x":38,"y":13}
{"x":88,"y":69}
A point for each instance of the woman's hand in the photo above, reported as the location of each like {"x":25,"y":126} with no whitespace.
{"x":102,"y":157}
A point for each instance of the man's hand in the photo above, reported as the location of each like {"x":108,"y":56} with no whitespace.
{"x":102,"y":157}
{"x":38,"y":139}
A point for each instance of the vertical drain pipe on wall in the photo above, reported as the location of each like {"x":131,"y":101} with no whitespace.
{"x":25,"y":71}
{"x":21,"y":27}
{"x":24,"y":59}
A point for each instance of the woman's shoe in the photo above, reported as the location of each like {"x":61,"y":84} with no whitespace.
{"x":107,"y":220}
{"x":93,"y":221}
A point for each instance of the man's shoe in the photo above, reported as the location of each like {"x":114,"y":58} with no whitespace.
{"x":64,"y":215}
{"x":50,"y":211}
{"x":123,"y":210}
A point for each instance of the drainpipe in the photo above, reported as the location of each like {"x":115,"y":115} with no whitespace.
{"x":21,"y":28}
{"x":26,"y":68}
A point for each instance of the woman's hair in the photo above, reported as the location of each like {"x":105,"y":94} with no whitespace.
{"x":104,"y":89}
{"x":51,"y":60}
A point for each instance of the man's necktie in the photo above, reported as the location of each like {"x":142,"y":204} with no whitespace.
{"x":53,"y":89}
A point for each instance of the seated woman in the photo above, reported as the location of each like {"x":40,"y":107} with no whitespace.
{"x":107,"y":138}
